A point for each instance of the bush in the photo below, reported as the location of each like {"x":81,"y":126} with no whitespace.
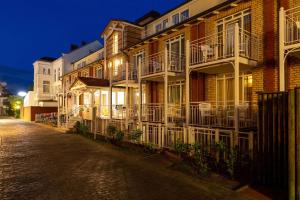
{"x":119,"y":135}
{"x":181,"y":147}
{"x":111,"y":130}
{"x":201,"y":159}
{"x":135,"y":134}
{"x":80,"y":128}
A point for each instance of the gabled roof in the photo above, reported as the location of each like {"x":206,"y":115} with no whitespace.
{"x":121,"y":21}
{"x":90,"y":82}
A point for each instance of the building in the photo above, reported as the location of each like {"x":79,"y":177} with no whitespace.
{"x":192,"y":73}
{"x":47,"y":80}
{"x":4,"y":103}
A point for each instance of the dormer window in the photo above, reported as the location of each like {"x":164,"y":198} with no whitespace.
{"x":184,"y":15}
{"x":175,"y":19}
{"x":165,"y":24}
{"x":115,"y":43}
{"x":158,"y":28}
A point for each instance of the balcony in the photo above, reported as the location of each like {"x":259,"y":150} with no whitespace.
{"x":121,"y":74}
{"x":155,"y":64}
{"x":218,"y":115}
{"x":221,"y":48}
{"x":291,"y":25}
{"x":153,"y":112}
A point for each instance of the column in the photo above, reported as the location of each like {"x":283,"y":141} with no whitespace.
{"x":140,"y":93}
{"x":236,"y":82}
{"x":127,"y":97}
{"x":187,"y":83}
{"x":166,"y":65}
{"x":281,"y":50}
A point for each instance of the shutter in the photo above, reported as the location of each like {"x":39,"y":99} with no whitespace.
{"x":197,"y":87}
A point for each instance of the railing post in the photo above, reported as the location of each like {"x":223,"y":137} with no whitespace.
{"x":187,"y":83}
{"x":217,"y":141}
{"x":281,"y":49}
{"x":236,"y":78}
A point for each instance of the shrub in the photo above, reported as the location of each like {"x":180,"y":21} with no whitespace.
{"x":80,"y":128}
{"x":181,"y":147}
{"x":119,"y":135}
{"x":201,"y":159}
{"x":135,"y":134}
{"x":231,"y":161}
{"x":111,"y":130}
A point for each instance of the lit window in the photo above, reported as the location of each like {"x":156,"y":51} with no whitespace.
{"x":115,"y":43}
{"x":44,"y":71}
{"x":46,"y":87}
{"x":116,"y":66}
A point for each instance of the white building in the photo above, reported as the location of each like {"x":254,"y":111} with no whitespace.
{"x":47,"y":81}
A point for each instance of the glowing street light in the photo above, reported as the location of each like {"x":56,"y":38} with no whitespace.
{"x":22,"y":94}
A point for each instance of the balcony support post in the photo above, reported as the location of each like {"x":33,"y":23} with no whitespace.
{"x":127,"y":97}
{"x":140,"y":101}
{"x":110,"y":93}
{"x":187,"y":84}
{"x":281,"y":49}
{"x":236,"y":82}
{"x":166,"y":65}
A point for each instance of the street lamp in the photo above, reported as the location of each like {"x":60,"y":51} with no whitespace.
{"x":22,"y":94}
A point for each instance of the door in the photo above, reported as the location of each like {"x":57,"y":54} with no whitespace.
{"x":229,"y":38}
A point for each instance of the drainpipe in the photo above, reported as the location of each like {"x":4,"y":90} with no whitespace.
{"x":282,"y":86}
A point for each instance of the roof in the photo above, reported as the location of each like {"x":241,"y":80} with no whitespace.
{"x":47,"y":59}
{"x":92,"y":82}
{"x":91,"y":52}
{"x":191,"y":19}
{"x":152,"y":14}
{"x":120,"y":20}
{"x":84,"y":67}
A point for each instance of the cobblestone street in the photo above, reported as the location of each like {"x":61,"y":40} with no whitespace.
{"x":37,"y":162}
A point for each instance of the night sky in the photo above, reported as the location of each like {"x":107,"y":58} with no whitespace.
{"x":30,"y":29}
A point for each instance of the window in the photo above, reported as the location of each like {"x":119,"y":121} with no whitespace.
{"x":225,"y":88}
{"x":55,"y":75}
{"x":46,"y":86}
{"x":44,"y":71}
{"x":158,"y":27}
{"x":48,"y":71}
{"x":58,"y":74}
{"x":165,"y":24}
{"x":83,"y":63}
{"x":117,"y":64}
{"x":115,"y":43}
{"x":184,"y":15}
{"x":175,"y":19}
{"x":100,"y":73}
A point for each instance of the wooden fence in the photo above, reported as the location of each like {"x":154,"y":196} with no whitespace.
{"x":277,"y":149}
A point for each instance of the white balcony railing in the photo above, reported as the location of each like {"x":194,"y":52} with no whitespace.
{"x":221,"y":45}
{"x":155,"y":63}
{"x":121,"y":74}
{"x":153,"y":112}
{"x":212,"y":114}
{"x":292,"y":26}
{"x":176,"y":113}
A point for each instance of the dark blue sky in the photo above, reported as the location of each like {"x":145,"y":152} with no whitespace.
{"x":30,"y":29}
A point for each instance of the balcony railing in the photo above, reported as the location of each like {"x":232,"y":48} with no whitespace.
{"x":121,"y":75}
{"x":153,"y":112}
{"x":218,"y":115}
{"x":155,"y":63}
{"x":118,"y":112}
{"x":176,"y":114}
{"x":221,"y":45}
{"x":292,"y":26}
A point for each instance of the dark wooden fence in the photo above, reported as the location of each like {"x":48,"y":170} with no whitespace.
{"x":277,"y":149}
